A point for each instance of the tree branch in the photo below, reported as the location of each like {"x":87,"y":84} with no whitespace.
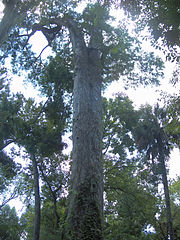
{"x":7,"y":143}
{"x":49,"y":33}
{"x":13,"y":196}
{"x":14,"y":10}
{"x":42,"y":51}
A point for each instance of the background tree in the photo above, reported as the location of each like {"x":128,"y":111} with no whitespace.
{"x":9,"y":107}
{"x":130,"y":204}
{"x":53,"y":200}
{"x":37,"y":128}
{"x":14,"y":11}
{"x":54,"y":189}
{"x":151,"y":137}
{"x":10,"y":227}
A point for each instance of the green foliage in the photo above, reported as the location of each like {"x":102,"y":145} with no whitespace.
{"x":175,"y":190}
{"x":49,"y":228}
{"x":150,"y":132}
{"x":40,"y":134}
{"x":161,"y":224}
{"x":9,"y":107}
{"x":172,"y":124}
{"x":10,"y":227}
{"x":54,"y":177}
{"x":118,"y":126}
{"x":162,"y":19}
{"x":7,"y":170}
{"x":130,"y":204}
{"x":175,"y":196}
{"x":27,"y":222}
{"x":56,"y":77}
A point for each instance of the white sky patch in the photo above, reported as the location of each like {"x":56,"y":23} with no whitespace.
{"x":1,"y":9}
{"x":18,"y":85}
{"x":174,"y":170}
{"x":142,"y":95}
{"x":39,"y":42}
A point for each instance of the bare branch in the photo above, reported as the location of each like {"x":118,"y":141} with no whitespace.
{"x":42,"y":51}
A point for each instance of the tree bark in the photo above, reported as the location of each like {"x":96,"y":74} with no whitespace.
{"x":36,"y":231}
{"x":85,"y":212}
{"x":167,"y":198}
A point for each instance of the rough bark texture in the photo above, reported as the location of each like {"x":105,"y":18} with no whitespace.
{"x":36,"y":231}
{"x":86,"y":199}
{"x":167,"y":198}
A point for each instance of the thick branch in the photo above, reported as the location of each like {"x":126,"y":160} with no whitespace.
{"x":14,"y":10}
{"x":7,"y":143}
{"x":49,"y":33}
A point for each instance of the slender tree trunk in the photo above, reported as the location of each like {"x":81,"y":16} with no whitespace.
{"x":167,"y":198}
{"x":85,"y":211}
{"x":36,"y":231}
{"x":55,"y":212}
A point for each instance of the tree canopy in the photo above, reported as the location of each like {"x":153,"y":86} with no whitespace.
{"x":115,"y":147}
{"x":162,"y":20}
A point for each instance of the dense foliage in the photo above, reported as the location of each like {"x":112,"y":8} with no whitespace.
{"x":161,"y":17}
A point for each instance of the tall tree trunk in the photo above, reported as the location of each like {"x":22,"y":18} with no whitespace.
{"x":167,"y":197}
{"x":85,"y":211}
{"x":36,"y":231}
{"x":56,"y":212}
